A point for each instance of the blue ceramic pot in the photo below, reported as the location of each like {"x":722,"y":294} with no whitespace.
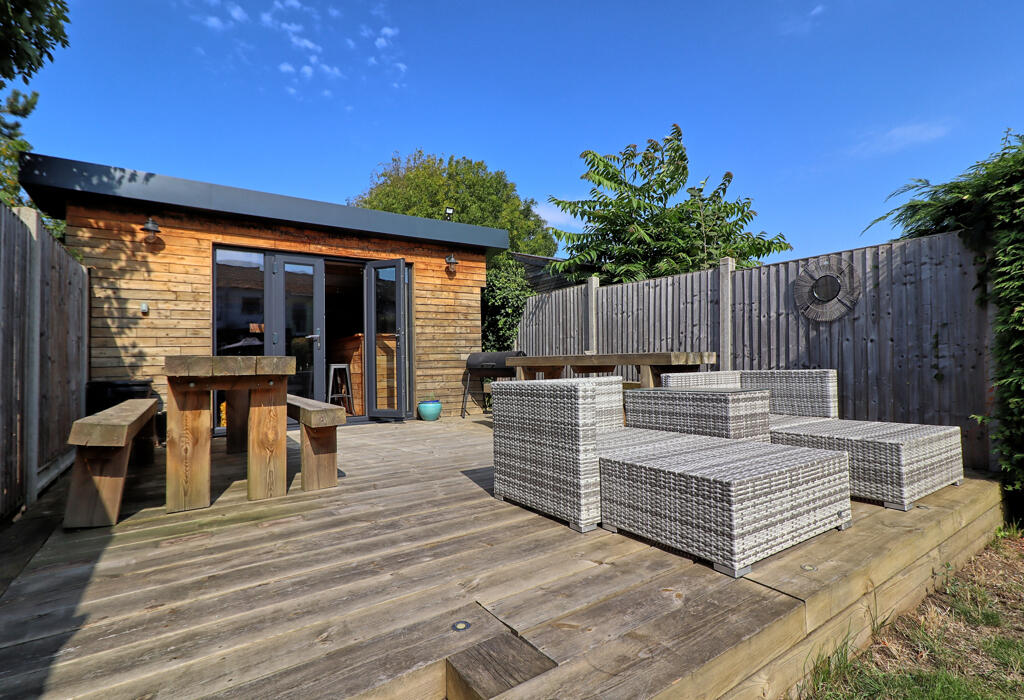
{"x":429,"y":410}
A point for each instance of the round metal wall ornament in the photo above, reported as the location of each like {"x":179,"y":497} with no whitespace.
{"x":826,"y":289}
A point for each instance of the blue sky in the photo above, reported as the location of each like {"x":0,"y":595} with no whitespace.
{"x":819,"y":109}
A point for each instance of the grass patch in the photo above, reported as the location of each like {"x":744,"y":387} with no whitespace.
{"x":965,"y":640}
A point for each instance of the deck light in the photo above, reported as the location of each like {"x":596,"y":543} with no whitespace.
{"x":448,"y":211}
{"x":151,"y":228}
{"x":451,"y":262}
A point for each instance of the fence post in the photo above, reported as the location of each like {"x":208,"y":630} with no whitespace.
{"x":726,"y":266}
{"x":33,"y":294}
{"x":593,"y":282}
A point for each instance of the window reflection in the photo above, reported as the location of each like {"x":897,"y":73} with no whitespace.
{"x":239,"y":308}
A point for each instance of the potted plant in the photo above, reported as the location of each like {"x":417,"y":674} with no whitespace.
{"x":429,"y":409}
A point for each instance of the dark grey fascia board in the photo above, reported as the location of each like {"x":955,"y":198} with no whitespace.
{"x":51,"y":181}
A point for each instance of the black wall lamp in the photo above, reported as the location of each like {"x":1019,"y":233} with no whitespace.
{"x":448,"y":211}
{"x":451,"y":262}
{"x":151,"y":228}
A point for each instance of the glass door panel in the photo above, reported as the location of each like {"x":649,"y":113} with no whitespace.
{"x":297,"y":320}
{"x":386,"y":351}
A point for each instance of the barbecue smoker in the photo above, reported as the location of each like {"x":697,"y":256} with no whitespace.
{"x":487,"y":365}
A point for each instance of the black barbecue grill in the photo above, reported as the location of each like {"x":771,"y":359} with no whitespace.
{"x":487,"y":365}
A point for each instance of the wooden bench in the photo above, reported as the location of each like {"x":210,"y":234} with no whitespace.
{"x":105,"y":441}
{"x":319,"y":423}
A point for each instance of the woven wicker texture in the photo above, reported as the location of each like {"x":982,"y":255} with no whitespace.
{"x":719,"y":412}
{"x":777,"y":420}
{"x":545,"y":443}
{"x":732,"y":503}
{"x":795,"y":392}
{"x":701,"y":380}
{"x":896,"y":463}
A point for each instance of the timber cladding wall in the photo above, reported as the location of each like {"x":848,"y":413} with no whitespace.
{"x":913,"y":348}
{"x":174,"y":276}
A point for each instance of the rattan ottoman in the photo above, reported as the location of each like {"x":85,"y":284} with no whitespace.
{"x":727,"y":501}
{"x":895,"y":463}
{"x":718,"y":412}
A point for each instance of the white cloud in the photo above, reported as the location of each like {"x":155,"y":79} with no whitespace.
{"x":290,"y":90}
{"x":213,"y":3}
{"x":334,"y":11}
{"x":349,"y":108}
{"x":389,"y":31}
{"x":307,"y":72}
{"x":402,"y":67}
{"x":332,"y":71}
{"x":558,"y":218}
{"x":899,"y":138}
{"x":380,"y":42}
{"x":371,"y":61}
{"x":294,"y":4}
{"x":351,"y":44}
{"x":365,"y":32}
{"x":200,"y":50}
{"x":327,"y":93}
{"x":286,"y":68}
{"x":237,"y":13}
{"x":301,"y":42}
{"x":267,"y":19}
{"x":291,"y":27}
{"x":213,"y":22}
{"x":818,"y":9}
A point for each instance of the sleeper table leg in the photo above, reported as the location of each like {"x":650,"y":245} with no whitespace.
{"x":188,"y":448}
{"x":268,"y":441}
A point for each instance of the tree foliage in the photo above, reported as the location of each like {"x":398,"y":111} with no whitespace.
{"x":424,"y":185}
{"x":985,"y":205}
{"x":636,"y":229}
{"x":29,"y":32}
{"x":503,"y":301}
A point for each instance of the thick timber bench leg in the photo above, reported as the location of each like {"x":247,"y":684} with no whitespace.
{"x":97,"y":482}
{"x":319,"y":458}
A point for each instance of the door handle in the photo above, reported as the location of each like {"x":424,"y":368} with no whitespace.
{"x":313,"y":336}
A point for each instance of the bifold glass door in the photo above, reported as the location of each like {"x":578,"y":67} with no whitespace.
{"x":386,"y":344}
{"x":273,"y":304}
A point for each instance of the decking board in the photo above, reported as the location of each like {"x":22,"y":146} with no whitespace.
{"x":353,"y":590}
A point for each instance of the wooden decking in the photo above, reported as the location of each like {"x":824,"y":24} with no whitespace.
{"x":365,"y":589}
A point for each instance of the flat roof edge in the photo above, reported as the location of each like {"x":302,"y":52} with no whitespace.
{"x":50,"y":175}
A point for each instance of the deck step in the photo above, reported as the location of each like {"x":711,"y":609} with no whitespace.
{"x":487,"y":669}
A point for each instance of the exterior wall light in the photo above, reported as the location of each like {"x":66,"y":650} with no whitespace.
{"x":448,"y":211}
{"x":451,"y":262}
{"x":151,"y":228}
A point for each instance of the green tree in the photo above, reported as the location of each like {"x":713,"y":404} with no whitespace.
{"x":29,"y":32}
{"x":503,"y":301}
{"x":635,"y":229}
{"x":985,"y":206}
{"x":424,"y":185}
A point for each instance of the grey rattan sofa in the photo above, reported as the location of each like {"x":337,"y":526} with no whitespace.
{"x":555,"y":441}
{"x":811,"y":393}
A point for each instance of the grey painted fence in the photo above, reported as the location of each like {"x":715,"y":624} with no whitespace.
{"x":43,"y":298}
{"x":912,"y":349}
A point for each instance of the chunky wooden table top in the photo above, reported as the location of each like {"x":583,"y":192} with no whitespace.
{"x":628,"y":358}
{"x":207,"y":366}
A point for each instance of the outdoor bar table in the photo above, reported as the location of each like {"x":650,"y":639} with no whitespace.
{"x":257,"y":389}
{"x":652,"y":364}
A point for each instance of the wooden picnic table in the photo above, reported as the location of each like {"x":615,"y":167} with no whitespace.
{"x":256,"y":388}
{"x":652,"y":364}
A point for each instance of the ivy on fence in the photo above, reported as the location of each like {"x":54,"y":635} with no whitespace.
{"x":985,"y":205}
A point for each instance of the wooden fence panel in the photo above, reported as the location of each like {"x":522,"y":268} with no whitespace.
{"x":912,"y":349}
{"x":50,"y":327}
